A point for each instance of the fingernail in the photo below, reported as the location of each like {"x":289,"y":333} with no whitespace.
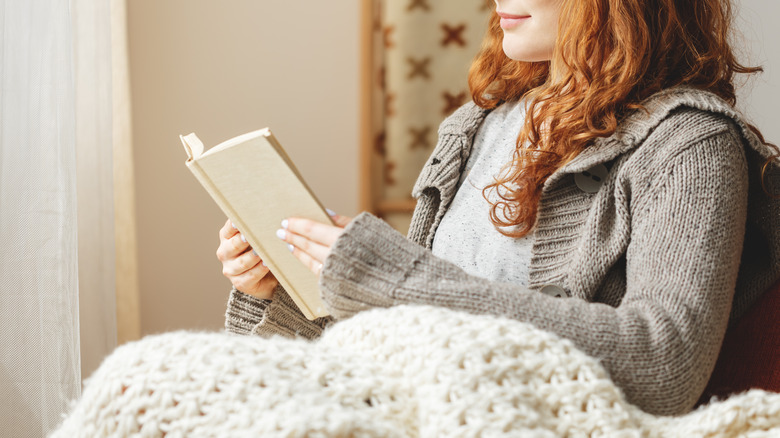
{"x":243,"y":239}
{"x":330,"y":212}
{"x":284,"y":223}
{"x":233,"y":225}
{"x":281,"y":234}
{"x":264,"y":264}
{"x":290,"y":247}
{"x":255,"y":252}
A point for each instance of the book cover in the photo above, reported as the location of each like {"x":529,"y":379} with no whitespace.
{"x":256,"y":185}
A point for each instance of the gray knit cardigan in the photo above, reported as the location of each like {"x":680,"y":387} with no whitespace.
{"x":679,"y":240}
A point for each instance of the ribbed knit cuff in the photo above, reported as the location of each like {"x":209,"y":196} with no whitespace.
{"x":284,"y":318}
{"x":244,"y":312}
{"x":366,"y":265}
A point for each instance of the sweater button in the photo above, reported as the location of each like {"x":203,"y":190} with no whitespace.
{"x":591,"y":180}
{"x":554,"y":291}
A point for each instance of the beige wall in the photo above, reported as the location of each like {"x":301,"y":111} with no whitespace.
{"x":757,"y":43}
{"x":222,"y":68}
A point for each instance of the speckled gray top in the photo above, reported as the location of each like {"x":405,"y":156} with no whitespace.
{"x":466,"y":237}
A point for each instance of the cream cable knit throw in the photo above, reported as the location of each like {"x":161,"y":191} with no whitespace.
{"x":400,"y":372}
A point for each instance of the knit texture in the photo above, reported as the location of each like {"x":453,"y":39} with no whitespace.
{"x":403,"y":372}
{"x":651,"y":261}
{"x":246,"y":314}
{"x":677,"y":243}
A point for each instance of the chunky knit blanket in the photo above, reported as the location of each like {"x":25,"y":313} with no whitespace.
{"x":400,"y":372}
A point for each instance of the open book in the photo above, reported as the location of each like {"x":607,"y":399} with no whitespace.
{"x":256,"y":185}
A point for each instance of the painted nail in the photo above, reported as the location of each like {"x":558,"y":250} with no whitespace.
{"x":284,"y":223}
{"x":243,"y":239}
{"x":290,"y":247}
{"x":233,"y":225}
{"x":281,"y":234}
{"x":330,"y":212}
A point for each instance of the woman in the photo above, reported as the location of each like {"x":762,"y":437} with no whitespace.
{"x":601,"y":187}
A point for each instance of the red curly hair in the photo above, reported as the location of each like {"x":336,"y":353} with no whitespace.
{"x":610,"y":55}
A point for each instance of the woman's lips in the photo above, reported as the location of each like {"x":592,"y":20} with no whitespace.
{"x":509,"y":21}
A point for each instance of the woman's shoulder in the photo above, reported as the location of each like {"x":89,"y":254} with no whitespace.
{"x":703,"y":141}
{"x":690,"y":132}
{"x":681,"y":112}
{"x":686,"y":127}
{"x":678,"y":119}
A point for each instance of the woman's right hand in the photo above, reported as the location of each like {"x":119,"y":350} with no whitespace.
{"x":242,"y":266}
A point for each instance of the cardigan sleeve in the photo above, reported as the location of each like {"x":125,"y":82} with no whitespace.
{"x":243,"y":312}
{"x":249,"y":315}
{"x":659,"y":345}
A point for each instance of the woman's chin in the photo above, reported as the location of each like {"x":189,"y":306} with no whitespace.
{"x":518,"y":51}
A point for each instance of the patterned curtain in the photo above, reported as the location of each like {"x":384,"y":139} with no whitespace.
{"x":422,"y":52}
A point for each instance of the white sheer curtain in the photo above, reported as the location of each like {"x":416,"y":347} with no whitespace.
{"x":92,"y":65}
{"x":55,"y":142}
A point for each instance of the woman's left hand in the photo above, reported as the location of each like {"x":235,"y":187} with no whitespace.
{"x":310,"y":241}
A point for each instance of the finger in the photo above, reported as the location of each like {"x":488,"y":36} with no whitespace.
{"x":228,"y":230}
{"x":243,"y":263}
{"x":339,"y":220}
{"x":310,"y":262}
{"x":239,"y":243}
{"x":250,"y":278}
{"x":301,"y":243}
{"x":232,"y":247}
{"x":317,"y":232}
